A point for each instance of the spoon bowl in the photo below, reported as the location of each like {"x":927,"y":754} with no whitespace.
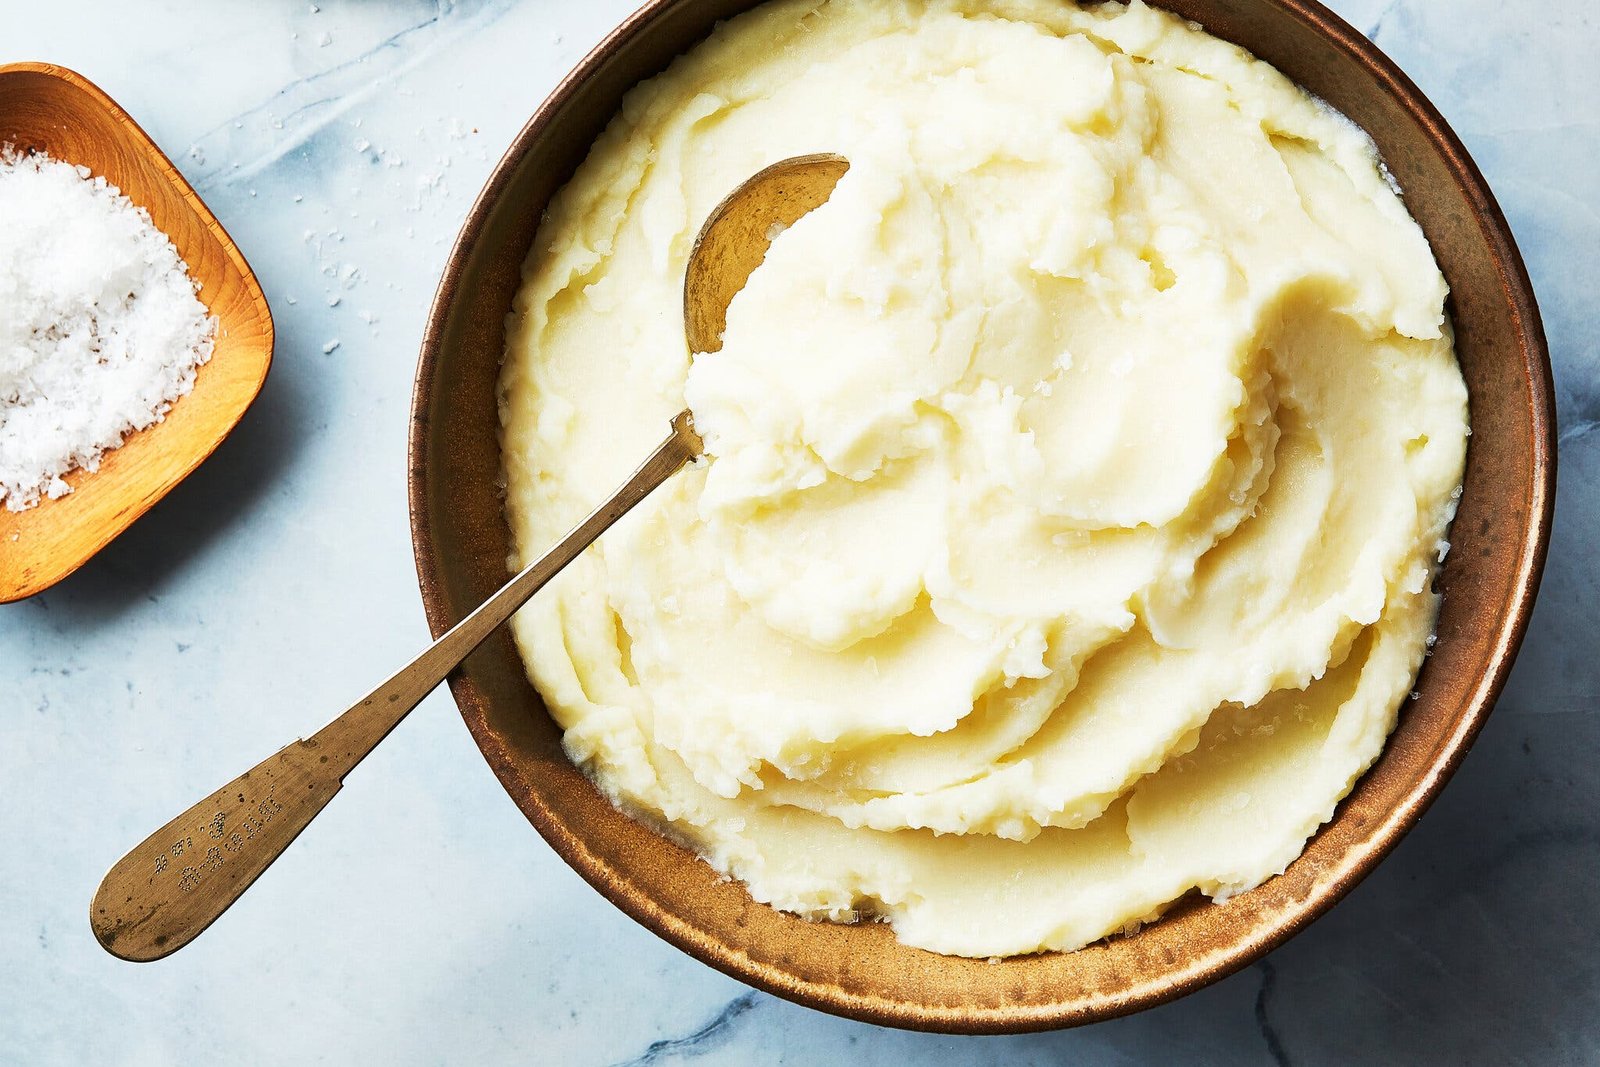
{"x":736,"y":235}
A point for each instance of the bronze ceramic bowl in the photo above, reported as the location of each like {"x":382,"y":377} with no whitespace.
{"x":1489,"y":581}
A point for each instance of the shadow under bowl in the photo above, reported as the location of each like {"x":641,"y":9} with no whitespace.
{"x":1489,"y":581}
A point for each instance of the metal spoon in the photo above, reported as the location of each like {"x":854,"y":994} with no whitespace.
{"x":161,"y":895}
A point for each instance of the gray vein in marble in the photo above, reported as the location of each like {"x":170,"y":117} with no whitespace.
{"x":713,"y":1032}
{"x":1383,"y":16}
{"x":1269,"y":1033}
{"x":1577,"y":206}
{"x":244,"y":145}
{"x":1577,"y":430}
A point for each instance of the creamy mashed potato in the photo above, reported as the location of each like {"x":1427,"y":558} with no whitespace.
{"x":1076,"y":475}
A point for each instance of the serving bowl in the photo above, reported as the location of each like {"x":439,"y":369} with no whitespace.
{"x":1489,"y":580}
{"x":52,"y":109}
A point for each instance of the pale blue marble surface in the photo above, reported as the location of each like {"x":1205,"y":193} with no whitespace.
{"x":421,"y":920}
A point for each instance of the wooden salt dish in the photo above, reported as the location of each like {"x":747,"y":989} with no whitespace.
{"x":51,"y":109}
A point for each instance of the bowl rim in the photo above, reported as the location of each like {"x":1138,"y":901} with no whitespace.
{"x":140,"y":140}
{"x":1517,"y":291}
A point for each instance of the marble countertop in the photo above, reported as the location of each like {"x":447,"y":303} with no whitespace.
{"x":421,"y":920}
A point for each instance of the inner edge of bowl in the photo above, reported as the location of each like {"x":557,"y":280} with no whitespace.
{"x":1191,"y":974}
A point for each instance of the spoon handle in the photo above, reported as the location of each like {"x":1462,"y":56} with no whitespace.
{"x":165,"y":892}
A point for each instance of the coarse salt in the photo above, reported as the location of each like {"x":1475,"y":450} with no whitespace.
{"x":100,"y":328}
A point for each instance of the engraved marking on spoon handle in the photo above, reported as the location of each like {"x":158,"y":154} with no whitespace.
{"x":173,"y":885}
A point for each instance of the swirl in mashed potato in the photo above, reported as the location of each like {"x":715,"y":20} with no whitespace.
{"x":1075,"y":479}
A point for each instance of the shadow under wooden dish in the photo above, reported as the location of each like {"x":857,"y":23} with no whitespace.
{"x":1489,"y":580}
{"x":50,"y":109}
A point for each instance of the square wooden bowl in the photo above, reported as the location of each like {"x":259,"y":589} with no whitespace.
{"x":51,"y":109}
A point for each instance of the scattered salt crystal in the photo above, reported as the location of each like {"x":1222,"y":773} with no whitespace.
{"x":329,"y":348}
{"x":362,"y":144}
{"x":324,"y":39}
{"x":334,"y":301}
{"x":366,"y":316}
{"x":100,"y":328}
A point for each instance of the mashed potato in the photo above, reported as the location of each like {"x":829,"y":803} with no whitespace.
{"x":1076,"y":475}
